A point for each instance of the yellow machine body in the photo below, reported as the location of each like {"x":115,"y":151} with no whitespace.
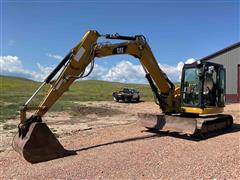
{"x":31,"y":140}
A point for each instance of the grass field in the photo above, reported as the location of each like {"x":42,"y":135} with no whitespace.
{"x":14,"y":92}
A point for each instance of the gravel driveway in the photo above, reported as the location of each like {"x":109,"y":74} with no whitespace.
{"x":127,"y":151}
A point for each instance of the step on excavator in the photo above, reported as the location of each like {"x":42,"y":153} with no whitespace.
{"x":193,"y":108}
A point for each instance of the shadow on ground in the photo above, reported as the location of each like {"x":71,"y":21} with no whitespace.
{"x":235,"y":128}
{"x":120,"y":141}
{"x":155,"y":134}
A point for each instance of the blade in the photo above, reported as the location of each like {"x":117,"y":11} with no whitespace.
{"x":168,"y":123}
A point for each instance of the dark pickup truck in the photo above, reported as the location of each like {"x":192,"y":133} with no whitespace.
{"x":126,"y":95}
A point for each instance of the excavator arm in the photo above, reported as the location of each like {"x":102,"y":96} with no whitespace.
{"x":75,"y":63}
{"x":34,"y":141}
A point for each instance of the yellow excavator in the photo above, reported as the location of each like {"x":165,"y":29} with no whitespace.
{"x":196,"y":105}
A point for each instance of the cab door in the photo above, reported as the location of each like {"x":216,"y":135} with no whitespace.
{"x":221,"y":87}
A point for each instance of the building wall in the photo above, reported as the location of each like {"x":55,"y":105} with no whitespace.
{"x":230,"y":60}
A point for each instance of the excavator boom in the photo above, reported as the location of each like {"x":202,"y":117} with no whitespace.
{"x":34,"y":141}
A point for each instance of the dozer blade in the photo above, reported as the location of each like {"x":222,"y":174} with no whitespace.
{"x":168,"y":123}
{"x":39,"y":144}
{"x":202,"y":126}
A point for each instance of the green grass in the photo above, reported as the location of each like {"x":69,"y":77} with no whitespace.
{"x":14,"y":92}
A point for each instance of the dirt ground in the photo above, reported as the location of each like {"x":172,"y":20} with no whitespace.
{"x":112,"y":144}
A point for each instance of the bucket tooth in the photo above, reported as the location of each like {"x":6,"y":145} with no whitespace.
{"x":39,"y":144}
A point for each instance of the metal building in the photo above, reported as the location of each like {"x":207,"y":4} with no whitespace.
{"x":230,"y":58}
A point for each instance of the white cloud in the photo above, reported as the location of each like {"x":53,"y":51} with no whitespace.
{"x":12,"y":66}
{"x":190,"y":61}
{"x":97,"y":73}
{"x":124,"y":71}
{"x":55,"y":56}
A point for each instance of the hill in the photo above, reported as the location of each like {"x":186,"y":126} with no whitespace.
{"x":15,"y":92}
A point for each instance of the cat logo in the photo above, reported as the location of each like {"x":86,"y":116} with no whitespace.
{"x":119,"y":50}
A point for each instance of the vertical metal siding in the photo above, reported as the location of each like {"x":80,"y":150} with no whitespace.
{"x":230,"y":60}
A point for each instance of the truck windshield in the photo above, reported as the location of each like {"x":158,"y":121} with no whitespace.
{"x":129,"y":90}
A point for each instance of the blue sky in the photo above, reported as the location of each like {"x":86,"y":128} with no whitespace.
{"x":35,"y":32}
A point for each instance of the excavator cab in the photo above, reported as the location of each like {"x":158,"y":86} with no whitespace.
{"x":203,"y":86}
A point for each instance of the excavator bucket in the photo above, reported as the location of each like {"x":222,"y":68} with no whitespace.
{"x":39,"y":144}
{"x":201,"y":126}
